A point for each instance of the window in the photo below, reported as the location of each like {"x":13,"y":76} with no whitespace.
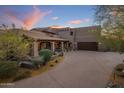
{"x":71,"y":33}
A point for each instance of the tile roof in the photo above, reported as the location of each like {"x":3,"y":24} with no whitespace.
{"x":42,"y":36}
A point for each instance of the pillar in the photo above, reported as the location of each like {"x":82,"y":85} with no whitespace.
{"x":62,"y":46}
{"x":36,"y":53}
{"x":53,"y":46}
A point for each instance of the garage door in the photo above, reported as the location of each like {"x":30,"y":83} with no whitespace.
{"x":93,"y":46}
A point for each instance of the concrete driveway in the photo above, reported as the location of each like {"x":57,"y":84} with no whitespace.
{"x":79,"y":69}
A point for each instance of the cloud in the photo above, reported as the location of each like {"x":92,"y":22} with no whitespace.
{"x":34,"y":16}
{"x":13,"y":17}
{"x":55,"y":18}
{"x":56,"y":26}
{"x":86,"y":20}
{"x":76,"y":22}
{"x":30,"y":19}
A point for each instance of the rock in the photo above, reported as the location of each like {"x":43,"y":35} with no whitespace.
{"x":26,"y":64}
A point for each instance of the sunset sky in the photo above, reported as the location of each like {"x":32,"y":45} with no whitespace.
{"x":46,"y":15}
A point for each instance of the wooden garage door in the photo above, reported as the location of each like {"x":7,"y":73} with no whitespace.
{"x":93,"y":46}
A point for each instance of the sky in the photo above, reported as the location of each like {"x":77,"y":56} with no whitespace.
{"x":29,"y":16}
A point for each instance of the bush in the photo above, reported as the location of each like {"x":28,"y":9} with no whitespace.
{"x":22,"y":74}
{"x":46,"y":54}
{"x":8,"y":69}
{"x":2,"y":55}
{"x":119,"y":70}
{"x":38,"y":61}
{"x":13,"y":46}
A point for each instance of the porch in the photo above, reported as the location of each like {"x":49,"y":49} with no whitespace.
{"x":53,"y":45}
{"x":43,"y":40}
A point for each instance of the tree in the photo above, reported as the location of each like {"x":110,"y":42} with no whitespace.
{"x":5,"y":26}
{"x":13,"y":46}
{"x":111,"y":18}
{"x":13,"y":26}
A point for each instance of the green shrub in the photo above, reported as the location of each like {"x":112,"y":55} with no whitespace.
{"x":22,"y":74}
{"x":37,"y":61}
{"x":2,"y":55}
{"x":8,"y":69}
{"x":13,"y":46}
{"x":46,"y":54}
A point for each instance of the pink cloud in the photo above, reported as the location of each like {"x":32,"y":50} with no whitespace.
{"x":34,"y":16}
{"x":55,"y":18}
{"x":76,"y":22}
{"x":13,"y":17}
{"x":56,"y":26}
{"x":30,"y":19}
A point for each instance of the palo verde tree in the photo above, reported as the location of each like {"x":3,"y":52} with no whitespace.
{"x":13,"y":46}
{"x":111,"y":19}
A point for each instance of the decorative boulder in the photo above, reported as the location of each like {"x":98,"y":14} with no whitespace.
{"x":26,"y":64}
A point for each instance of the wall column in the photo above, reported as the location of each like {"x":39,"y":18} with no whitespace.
{"x":36,"y":53}
{"x":62,"y":46}
{"x":53,"y":46}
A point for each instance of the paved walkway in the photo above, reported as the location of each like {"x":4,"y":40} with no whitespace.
{"x":79,"y":69}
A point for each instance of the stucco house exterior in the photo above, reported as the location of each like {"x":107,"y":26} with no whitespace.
{"x":82,"y":38}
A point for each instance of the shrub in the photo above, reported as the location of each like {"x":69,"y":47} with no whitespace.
{"x":13,"y":46}
{"x":119,"y":70}
{"x":22,"y":74}
{"x":2,"y":54}
{"x":38,"y":61}
{"x":46,"y":54}
{"x":8,"y":69}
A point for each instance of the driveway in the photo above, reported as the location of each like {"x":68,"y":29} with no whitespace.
{"x":79,"y":69}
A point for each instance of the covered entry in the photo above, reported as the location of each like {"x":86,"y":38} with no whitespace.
{"x":93,"y":46}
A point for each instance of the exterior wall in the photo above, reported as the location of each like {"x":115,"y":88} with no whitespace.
{"x":83,"y":34}
{"x":66,"y":35}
